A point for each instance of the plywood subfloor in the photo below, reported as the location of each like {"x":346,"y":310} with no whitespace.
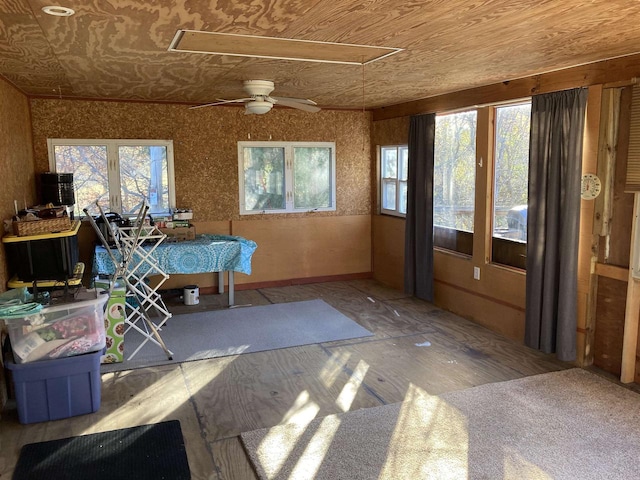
{"x":415,"y":346}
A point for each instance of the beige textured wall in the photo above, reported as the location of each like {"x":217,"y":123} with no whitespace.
{"x":205,"y":144}
{"x":16,"y":159}
{"x":206,"y":167}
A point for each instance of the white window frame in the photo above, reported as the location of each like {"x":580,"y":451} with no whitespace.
{"x":288,"y":177}
{"x":113,"y":165}
{"x":397,"y":180}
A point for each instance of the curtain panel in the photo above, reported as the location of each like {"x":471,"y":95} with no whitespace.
{"x":418,"y":251}
{"x":555,"y":164}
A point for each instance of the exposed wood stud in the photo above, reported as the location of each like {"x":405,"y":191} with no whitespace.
{"x":607,"y":161}
{"x":588,"y":250}
{"x":590,"y":320}
{"x":632,"y":311}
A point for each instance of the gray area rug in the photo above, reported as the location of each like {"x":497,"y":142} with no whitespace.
{"x":562,"y":425}
{"x":219,"y":333}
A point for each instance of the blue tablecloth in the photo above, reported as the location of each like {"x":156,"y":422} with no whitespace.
{"x":207,"y":253}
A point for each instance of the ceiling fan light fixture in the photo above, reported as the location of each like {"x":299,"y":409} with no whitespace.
{"x":258,"y":107}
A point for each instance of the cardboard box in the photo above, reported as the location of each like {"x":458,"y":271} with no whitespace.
{"x":180,"y":234}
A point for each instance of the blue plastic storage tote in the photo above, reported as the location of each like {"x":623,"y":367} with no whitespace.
{"x":56,"y":389}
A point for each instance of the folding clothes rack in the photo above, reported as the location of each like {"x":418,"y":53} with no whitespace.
{"x":134,"y":264}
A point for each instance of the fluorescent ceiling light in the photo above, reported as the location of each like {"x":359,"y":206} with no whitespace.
{"x":57,"y":11}
{"x":212,"y":43}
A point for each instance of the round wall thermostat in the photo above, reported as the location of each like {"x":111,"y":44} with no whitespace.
{"x":591,"y":186}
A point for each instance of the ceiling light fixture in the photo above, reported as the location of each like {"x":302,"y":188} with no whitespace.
{"x":58,"y":11}
{"x":258,"y":107}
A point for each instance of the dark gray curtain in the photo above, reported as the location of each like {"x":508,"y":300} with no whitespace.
{"x":418,"y":239}
{"x":555,"y":157}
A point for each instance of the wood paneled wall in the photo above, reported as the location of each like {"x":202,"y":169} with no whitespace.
{"x":16,"y":171}
{"x":497,"y":300}
{"x":290,"y":246}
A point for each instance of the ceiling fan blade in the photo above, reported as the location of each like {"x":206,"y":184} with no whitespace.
{"x":287,"y":102}
{"x":221,"y":102}
{"x":298,"y":100}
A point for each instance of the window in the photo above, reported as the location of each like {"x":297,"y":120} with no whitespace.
{"x":511,"y":177}
{"x":454,"y":178}
{"x":119,"y":174}
{"x":286,"y":177}
{"x":394,"y":164}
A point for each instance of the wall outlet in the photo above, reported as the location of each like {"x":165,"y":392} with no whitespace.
{"x":476,"y":273}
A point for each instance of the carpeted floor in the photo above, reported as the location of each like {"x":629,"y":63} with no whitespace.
{"x":196,"y":336}
{"x":563,"y":425}
{"x":147,"y":452}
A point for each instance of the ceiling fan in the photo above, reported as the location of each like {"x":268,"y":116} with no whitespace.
{"x":260,"y":102}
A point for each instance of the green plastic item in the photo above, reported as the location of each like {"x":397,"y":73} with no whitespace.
{"x":17,"y":303}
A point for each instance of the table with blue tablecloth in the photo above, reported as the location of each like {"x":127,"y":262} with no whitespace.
{"x":207,"y":253}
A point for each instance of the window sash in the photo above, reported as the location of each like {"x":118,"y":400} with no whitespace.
{"x":295,"y":194}
{"x":113,"y":183}
{"x":454,"y":222}
{"x":393,"y":180}
{"x":509,"y":218}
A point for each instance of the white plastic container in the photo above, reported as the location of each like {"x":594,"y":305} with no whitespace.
{"x":60,"y":331}
{"x":183,"y":215}
{"x":191,"y":295}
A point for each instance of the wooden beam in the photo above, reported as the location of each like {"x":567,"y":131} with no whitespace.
{"x":484,"y":189}
{"x":612,"y":271}
{"x":632,"y":310}
{"x":589,"y":242}
{"x":610,"y":115}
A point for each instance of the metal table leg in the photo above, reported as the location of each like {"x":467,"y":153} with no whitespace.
{"x":221,"y":282}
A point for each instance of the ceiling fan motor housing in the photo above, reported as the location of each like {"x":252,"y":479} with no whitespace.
{"x":258,"y":88}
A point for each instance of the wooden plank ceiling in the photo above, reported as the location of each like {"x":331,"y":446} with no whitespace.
{"x":118,"y":49}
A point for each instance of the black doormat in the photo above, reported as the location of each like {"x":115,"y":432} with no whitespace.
{"x":147,"y":452}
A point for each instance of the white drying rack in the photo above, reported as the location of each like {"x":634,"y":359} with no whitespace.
{"x":134,"y":267}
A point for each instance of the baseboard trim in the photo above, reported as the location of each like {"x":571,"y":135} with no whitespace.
{"x":291,"y":281}
{"x":480,"y":295}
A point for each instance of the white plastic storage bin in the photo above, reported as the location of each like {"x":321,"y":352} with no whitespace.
{"x":60,"y":331}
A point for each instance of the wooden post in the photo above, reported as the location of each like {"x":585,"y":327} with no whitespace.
{"x":588,"y":251}
{"x":632,"y":310}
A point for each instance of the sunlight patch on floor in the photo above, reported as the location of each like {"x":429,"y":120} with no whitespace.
{"x":333,"y":368}
{"x":439,"y":450}
{"x":516,"y":466}
{"x":350,"y":389}
{"x":301,"y":413}
{"x":311,"y":459}
{"x":149,"y":405}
